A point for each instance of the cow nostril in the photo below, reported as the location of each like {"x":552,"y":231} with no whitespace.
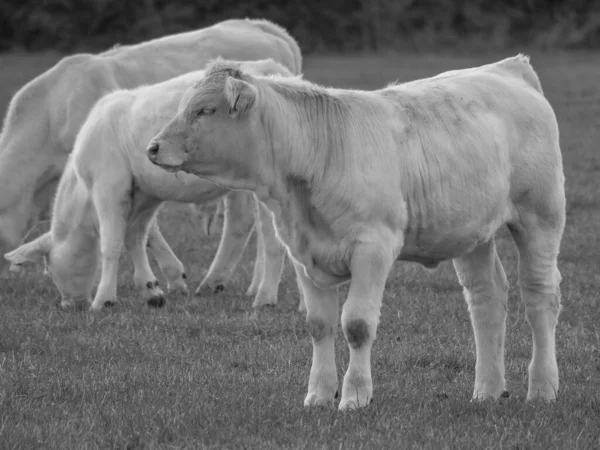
{"x":153,"y":149}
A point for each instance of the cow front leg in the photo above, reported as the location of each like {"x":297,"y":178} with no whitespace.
{"x":237,"y":229}
{"x":322,"y":320}
{"x":486,"y":291}
{"x":370,"y":266}
{"x":113,"y":205}
{"x":170,"y":266}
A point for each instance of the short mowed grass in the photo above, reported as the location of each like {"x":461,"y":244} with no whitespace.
{"x":199,"y":374}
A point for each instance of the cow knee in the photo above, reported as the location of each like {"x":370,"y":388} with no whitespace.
{"x":541,"y":290}
{"x":357,"y":333}
{"x":482,"y":291}
{"x":537,"y":299}
{"x":318,"y":328}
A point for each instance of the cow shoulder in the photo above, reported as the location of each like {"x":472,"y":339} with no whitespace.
{"x":80,"y":82}
{"x":105,"y":136}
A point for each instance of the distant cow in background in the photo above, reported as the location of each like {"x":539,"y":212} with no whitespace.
{"x":110,"y":193}
{"x":424,"y":171}
{"x":45,"y":115}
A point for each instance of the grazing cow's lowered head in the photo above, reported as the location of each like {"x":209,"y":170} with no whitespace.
{"x":73,"y":268}
{"x":218,"y":133}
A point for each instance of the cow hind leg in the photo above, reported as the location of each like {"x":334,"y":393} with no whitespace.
{"x":143,"y":277}
{"x":538,"y":244}
{"x":486,"y":291}
{"x":237,"y":229}
{"x":170,"y":266}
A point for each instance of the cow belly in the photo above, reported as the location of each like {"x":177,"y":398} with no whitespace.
{"x":430,"y":248}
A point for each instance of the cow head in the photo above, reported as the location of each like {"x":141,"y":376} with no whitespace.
{"x":218,"y":133}
{"x":72,"y":264}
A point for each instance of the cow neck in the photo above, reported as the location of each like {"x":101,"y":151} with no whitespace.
{"x":306,"y":128}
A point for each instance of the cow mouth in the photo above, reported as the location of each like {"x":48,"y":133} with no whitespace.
{"x":170,"y":167}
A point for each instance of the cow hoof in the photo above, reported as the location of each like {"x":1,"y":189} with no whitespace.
{"x":97,"y":305}
{"x":480,"y":397}
{"x":355,"y":403}
{"x":262,"y":299}
{"x":219,"y":288}
{"x":352,"y":405}
{"x":157,"y":302}
{"x":209,"y":289}
{"x":312,"y":400}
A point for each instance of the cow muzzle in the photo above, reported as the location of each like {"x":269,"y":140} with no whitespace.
{"x":165,"y":155}
{"x":152,"y":151}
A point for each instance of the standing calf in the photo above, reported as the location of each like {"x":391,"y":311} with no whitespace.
{"x":424,"y":171}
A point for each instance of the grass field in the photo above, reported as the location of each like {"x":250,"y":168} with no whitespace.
{"x":199,"y":374}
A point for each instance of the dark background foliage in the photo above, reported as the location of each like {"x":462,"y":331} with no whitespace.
{"x":318,"y":25}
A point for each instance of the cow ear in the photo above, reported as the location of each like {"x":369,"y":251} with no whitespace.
{"x":32,"y":252}
{"x":240,"y":95}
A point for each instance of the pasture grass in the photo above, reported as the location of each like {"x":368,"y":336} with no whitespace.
{"x":199,"y":374}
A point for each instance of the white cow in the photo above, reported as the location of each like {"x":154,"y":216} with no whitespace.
{"x":110,"y":193}
{"x":424,"y":171}
{"x":44,"y":117}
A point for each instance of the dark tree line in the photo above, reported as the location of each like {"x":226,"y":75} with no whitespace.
{"x":330,"y":25}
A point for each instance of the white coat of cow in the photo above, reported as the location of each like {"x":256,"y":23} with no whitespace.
{"x":110,"y":193}
{"x":44,"y":116}
{"x":423,"y":171}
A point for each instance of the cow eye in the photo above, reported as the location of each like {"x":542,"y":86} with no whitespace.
{"x":205,"y":112}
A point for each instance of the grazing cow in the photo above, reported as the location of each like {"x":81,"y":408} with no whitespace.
{"x":424,"y":171}
{"x":44,"y":117}
{"x":110,"y":193}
